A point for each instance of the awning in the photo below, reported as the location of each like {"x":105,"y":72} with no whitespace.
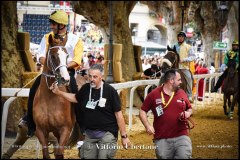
{"x":149,"y":44}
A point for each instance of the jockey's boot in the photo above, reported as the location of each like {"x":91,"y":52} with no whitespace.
{"x":218,"y":85}
{"x":30,"y":132}
{"x":31,"y":126}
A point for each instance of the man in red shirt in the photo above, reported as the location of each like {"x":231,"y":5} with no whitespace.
{"x":168,"y":104}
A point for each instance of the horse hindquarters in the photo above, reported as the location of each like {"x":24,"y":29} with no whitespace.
{"x":20,"y":140}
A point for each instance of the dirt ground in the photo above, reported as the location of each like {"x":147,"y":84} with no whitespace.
{"x":214,"y":137}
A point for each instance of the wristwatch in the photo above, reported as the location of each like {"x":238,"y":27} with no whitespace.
{"x":124,"y":136}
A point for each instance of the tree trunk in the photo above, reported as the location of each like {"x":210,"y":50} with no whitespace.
{"x":12,"y":66}
{"x":98,"y":14}
{"x":232,"y":22}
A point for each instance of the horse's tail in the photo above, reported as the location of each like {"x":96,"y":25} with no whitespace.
{"x":75,"y":136}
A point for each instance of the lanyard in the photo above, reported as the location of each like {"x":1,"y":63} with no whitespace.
{"x":163,"y":100}
{"x":101,"y":91}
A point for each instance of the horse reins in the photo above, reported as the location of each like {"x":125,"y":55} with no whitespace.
{"x":187,"y":120}
{"x":15,"y":95}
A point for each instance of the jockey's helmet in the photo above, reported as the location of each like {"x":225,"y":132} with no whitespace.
{"x":59,"y":17}
{"x":182,"y":33}
{"x":235,"y":42}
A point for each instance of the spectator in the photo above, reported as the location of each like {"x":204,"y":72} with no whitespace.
{"x":200,"y":64}
{"x":223,"y":67}
{"x":212,"y":69}
{"x":151,"y":73}
{"x":146,"y":64}
{"x":202,"y":70}
{"x":91,"y":60}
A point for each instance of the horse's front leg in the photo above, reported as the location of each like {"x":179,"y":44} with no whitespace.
{"x":234,"y":101}
{"x":43,"y":139}
{"x":230,"y":112}
{"x":225,"y":104}
{"x":64,"y":136}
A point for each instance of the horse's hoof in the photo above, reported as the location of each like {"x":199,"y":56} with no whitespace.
{"x":59,"y":156}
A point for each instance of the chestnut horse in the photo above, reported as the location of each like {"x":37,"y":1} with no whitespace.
{"x":52,"y":113}
{"x":230,"y":88}
{"x":22,"y":131}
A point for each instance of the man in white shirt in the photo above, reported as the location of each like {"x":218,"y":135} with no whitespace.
{"x":212,"y":69}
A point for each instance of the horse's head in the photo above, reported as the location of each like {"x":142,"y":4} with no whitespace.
{"x":170,"y":60}
{"x":57,"y":60}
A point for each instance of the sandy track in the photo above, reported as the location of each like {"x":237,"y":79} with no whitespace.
{"x":214,"y":137}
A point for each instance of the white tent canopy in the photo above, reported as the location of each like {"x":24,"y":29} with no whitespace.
{"x":152,"y":48}
{"x":149,"y":44}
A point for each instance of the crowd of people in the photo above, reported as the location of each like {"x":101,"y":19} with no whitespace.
{"x":91,"y":36}
{"x":88,"y":60}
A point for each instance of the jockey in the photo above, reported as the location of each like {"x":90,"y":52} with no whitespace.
{"x":232,"y":54}
{"x":187,"y":58}
{"x":74,"y":46}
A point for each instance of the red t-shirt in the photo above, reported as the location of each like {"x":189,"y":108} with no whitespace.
{"x":167,"y":125}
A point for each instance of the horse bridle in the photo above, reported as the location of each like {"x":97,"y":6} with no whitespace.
{"x":52,"y":67}
{"x":49,"y":58}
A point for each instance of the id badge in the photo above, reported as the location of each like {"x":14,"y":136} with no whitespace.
{"x":90,"y":105}
{"x":159,"y":110}
{"x":102,"y":102}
